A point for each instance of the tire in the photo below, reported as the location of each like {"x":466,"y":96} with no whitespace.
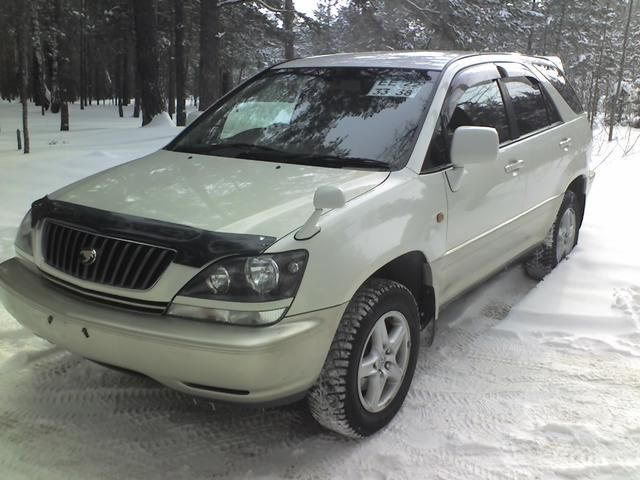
{"x":343,"y":402}
{"x":560,"y":240}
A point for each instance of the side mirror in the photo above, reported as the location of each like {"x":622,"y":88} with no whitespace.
{"x":325,"y":198}
{"x":328,"y":197}
{"x":191,"y":116}
{"x":474,"y":145}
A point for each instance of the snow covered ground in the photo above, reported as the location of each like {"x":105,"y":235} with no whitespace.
{"x":524,"y":381}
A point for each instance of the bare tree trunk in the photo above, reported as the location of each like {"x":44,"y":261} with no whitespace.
{"x":41,"y":86}
{"x":181,"y":111}
{"x":209,"y":83}
{"x":172,"y":76}
{"x":64,"y":116}
{"x":59,"y":79}
{"x":544,"y":36}
{"x":227,"y":82}
{"x":120,"y":78}
{"x":532,"y":30}
{"x":559,"y":33}
{"x":616,"y":99}
{"x":126,"y":97}
{"x":287,"y":22}
{"x":136,"y":102}
{"x":124,"y":90}
{"x":595,"y":97}
{"x":590,"y":98}
{"x":445,"y":36}
{"x":147,"y":59}
{"x":83,"y":98}
{"x":55,"y":77}
{"x":23,"y":42}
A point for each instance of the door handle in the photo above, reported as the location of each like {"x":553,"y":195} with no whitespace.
{"x":513,"y":166}
{"x":565,"y":144}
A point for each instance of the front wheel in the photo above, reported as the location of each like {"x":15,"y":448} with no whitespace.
{"x":371,"y":361}
{"x":560,"y":240}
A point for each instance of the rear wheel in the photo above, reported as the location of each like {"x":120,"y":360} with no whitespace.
{"x":371,"y":362}
{"x":560,"y":240}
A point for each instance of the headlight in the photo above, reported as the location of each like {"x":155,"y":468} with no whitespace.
{"x":262,"y":273}
{"x":250,"y":279}
{"x":261,"y":279}
{"x":23,"y":238}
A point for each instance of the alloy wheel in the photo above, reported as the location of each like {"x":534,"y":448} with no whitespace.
{"x":384,"y":361}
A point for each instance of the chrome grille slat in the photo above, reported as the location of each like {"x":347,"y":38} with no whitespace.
{"x":123,"y":253}
{"x":119,"y":262}
{"x":100,"y":260}
{"x":78,"y":244}
{"x":129,"y":264}
{"x":108,"y":264}
{"x":154,"y":266}
{"x":67,"y":237}
{"x":138,"y":272}
{"x":48,"y":247}
{"x":61,"y":238}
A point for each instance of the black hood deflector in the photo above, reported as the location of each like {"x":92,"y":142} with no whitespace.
{"x":194,"y":247}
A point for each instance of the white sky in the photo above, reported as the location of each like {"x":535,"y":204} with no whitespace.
{"x":305,"y":6}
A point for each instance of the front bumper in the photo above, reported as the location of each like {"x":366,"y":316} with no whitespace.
{"x":224,"y":362}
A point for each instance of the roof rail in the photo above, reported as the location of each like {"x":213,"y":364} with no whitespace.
{"x":555,"y":60}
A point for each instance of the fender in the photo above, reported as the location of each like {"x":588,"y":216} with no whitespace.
{"x":366,"y":234}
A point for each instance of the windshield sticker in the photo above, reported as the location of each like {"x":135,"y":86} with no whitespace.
{"x":395,"y":88}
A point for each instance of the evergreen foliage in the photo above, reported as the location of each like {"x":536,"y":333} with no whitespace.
{"x":85,"y":50}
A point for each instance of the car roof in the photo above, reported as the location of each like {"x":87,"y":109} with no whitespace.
{"x":422,"y":59}
{"x":429,"y":60}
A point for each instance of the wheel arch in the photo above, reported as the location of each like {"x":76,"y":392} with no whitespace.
{"x":412,"y":270}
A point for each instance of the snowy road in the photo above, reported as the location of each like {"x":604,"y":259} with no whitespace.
{"x":524,"y":381}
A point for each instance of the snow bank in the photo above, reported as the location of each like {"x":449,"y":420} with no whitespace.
{"x":162,"y":120}
{"x":596,"y":293}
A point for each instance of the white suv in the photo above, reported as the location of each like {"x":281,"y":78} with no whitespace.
{"x":295,"y":239}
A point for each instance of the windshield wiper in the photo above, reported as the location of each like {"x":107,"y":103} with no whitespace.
{"x":239,"y":147}
{"x":334,"y":161}
{"x":273,"y":154}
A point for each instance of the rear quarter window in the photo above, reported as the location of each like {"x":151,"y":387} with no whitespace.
{"x":562,"y":85}
{"x":529,"y":105}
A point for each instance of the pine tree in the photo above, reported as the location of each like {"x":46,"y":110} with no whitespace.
{"x":152,"y":102}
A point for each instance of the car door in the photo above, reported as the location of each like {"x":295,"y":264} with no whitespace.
{"x":482,"y":199}
{"x":541,"y":145}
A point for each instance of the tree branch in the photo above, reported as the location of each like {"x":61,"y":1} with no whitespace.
{"x":264,"y":4}
{"x":422,"y":9}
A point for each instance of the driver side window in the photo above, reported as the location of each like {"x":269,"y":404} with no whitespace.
{"x":474,"y":100}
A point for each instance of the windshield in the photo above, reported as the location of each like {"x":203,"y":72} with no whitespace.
{"x":335,"y":117}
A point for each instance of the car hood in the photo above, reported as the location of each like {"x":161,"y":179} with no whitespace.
{"x":215,"y":193}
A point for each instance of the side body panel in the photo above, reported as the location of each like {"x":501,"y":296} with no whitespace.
{"x":481,"y":236}
{"x":397,"y":217}
{"x":553,"y":159}
{"x":483,"y":198}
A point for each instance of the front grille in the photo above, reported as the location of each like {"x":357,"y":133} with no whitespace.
{"x":114,"y":262}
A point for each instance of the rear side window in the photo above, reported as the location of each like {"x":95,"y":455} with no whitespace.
{"x":529,"y":105}
{"x":562,"y":85}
